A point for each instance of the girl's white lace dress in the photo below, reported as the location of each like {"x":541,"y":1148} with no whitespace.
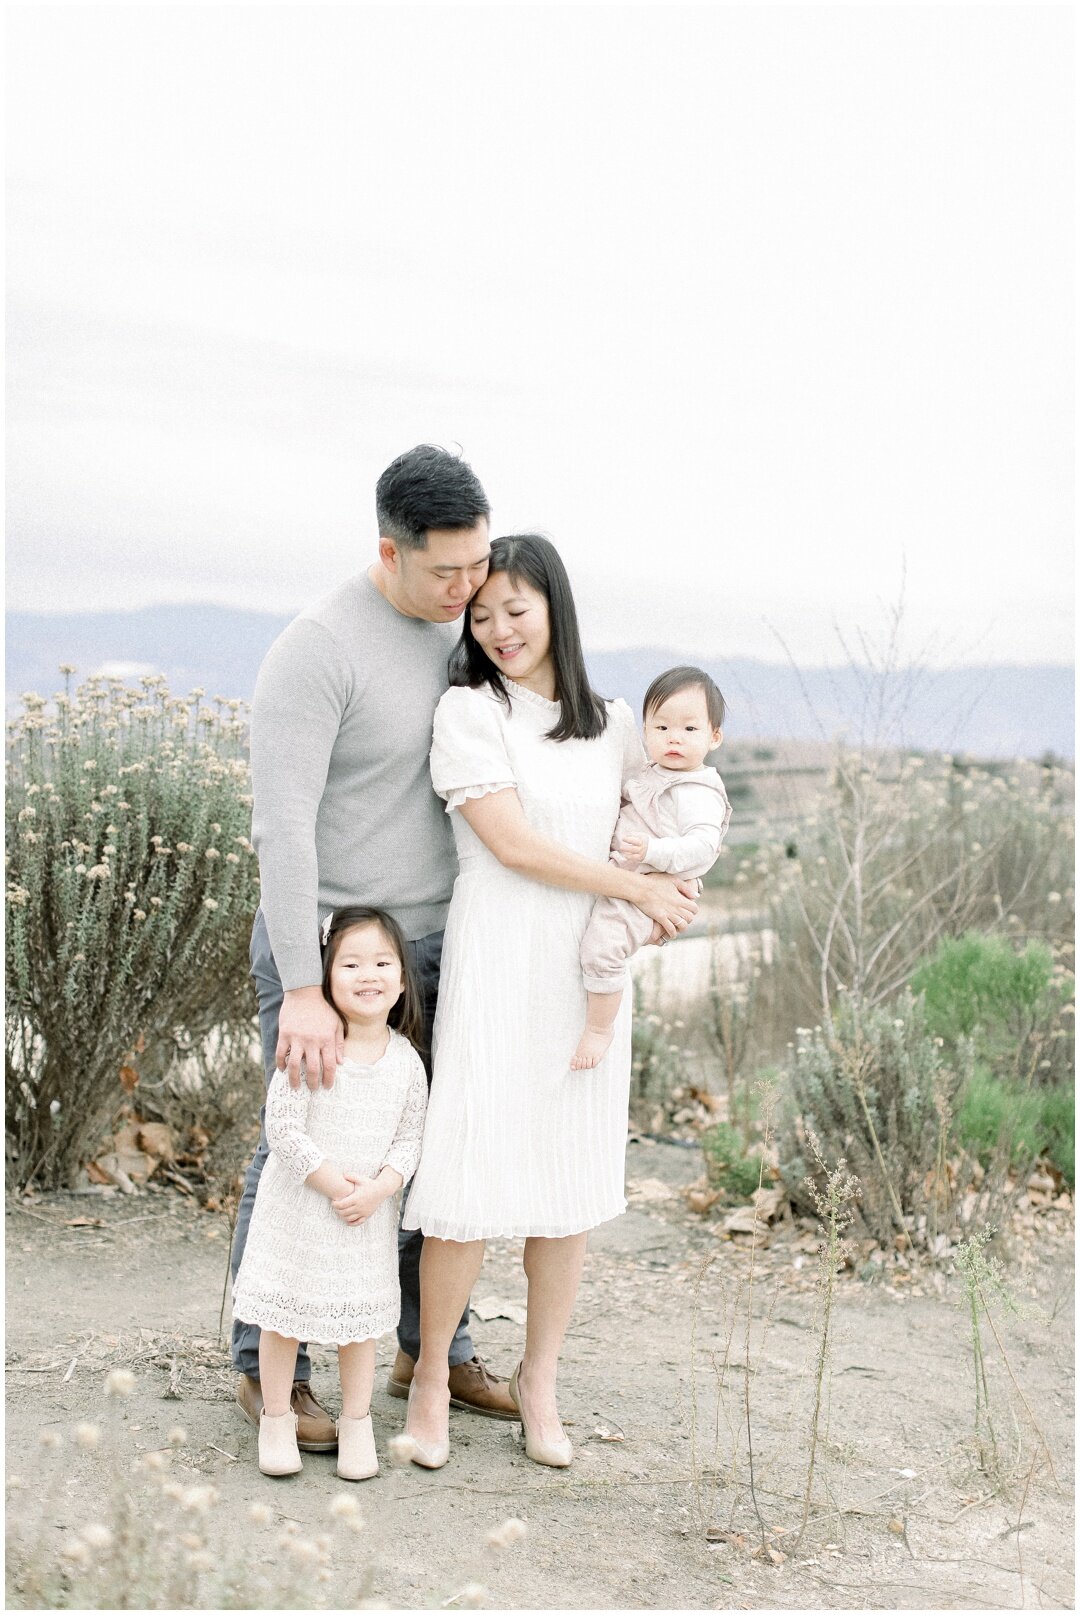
{"x":515,"y":1142}
{"x":306,"y":1274}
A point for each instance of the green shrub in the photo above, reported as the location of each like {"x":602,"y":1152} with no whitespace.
{"x":1016,"y":1006}
{"x":131,"y":885}
{"x":726,"y":1165}
{"x":996,"y":1115}
{"x":877,"y":1092}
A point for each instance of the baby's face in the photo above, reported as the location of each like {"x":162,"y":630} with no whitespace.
{"x":678,"y":734}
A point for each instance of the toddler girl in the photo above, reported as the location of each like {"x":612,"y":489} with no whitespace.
{"x":321,"y":1256}
{"x":674,"y":816}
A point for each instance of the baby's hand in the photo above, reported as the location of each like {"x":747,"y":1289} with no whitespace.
{"x":633,"y":848}
{"x":358,"y":1205}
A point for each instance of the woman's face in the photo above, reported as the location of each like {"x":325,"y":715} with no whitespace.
{"x":511,"y":624}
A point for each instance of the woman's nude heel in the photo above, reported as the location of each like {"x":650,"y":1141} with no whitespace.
{"x":428,"y":1457}
{"x":556,"y":1454}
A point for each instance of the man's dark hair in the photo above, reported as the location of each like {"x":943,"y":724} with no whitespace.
{"x":533,"y":559}
{"x":425,"y":488}
{"x":675,"y":679}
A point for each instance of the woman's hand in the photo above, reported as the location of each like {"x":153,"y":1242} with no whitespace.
{"x":671,"y":903}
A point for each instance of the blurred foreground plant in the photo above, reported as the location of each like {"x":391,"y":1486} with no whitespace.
{"x":131,"y":885}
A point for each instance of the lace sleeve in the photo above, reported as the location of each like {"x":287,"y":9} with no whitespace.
{"x":404,"y":1152}
{"x":286,"y":1131}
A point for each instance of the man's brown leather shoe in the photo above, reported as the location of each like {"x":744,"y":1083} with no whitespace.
{"x":315,"y":1431}
{"x":472,"y":1388}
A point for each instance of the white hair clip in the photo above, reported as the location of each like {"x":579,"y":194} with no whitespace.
{"x":324,"y":929}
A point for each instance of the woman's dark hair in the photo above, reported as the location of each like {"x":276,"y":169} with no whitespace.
{"x":407,"y":1015}
{"x":530,"y":558}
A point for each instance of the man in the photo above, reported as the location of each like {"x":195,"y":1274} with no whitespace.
{"x":344,"y":813}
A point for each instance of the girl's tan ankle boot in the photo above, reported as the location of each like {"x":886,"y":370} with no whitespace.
{"x":278,"y":1452}
{"x":356,"y":1458}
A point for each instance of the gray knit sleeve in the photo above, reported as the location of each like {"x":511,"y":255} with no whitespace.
{"x":300,"y":696}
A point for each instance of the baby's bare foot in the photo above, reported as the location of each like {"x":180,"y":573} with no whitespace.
{"x":592,"y":1046}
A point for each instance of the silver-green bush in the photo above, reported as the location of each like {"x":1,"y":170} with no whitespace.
{"x":878,"y":1090}
{"x":131,"y":883}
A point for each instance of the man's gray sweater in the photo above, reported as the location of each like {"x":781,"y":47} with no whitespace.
{"x":344,"y":811}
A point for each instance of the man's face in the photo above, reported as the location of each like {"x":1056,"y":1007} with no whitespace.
{"x":438,"y":582}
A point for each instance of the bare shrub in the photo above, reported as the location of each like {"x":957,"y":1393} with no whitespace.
{"x":906,"y":852}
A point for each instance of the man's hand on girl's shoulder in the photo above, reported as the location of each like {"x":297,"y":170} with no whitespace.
{"x":310,"y":1036}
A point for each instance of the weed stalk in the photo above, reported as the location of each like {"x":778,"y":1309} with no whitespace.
{"x":833,"y":1209}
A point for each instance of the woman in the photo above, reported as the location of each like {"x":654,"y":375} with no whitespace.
{"x":530,"y":762}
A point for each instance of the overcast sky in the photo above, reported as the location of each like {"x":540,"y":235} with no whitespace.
{"x":751,"y":308}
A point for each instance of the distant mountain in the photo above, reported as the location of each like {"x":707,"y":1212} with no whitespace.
{"x":989,"y":711}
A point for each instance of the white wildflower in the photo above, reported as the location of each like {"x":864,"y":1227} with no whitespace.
{"x":198,"y":1499}
{"x":302,"y":1550}
{"x":401,"y":1448}
{"x":119,"y":1382}
{"x":96,"y":1535}
{"x":509,"y":1532}
{"x":86,"y":1435}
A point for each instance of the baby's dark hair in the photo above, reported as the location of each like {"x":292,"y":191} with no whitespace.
{"x":407,"y":1015}
{"x":665,"y":685}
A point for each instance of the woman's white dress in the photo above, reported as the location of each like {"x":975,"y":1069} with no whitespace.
{"x":515,"y":1142}
{"x":305,"y":1273}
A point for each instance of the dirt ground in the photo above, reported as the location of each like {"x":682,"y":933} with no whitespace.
{"x":656,"y":1511}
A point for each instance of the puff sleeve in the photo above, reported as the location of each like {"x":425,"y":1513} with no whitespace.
{"x":468,"y":748}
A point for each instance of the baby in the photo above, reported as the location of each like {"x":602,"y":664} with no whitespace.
{"x":674,"y":816}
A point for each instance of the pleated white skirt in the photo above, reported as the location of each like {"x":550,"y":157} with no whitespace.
{"x":515,"y":1143}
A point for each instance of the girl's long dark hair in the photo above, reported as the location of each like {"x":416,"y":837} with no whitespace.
{"x":407,"y":1015}
{"x":530,"y":558}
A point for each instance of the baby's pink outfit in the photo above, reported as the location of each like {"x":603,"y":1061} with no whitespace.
{"x":685,"y":815}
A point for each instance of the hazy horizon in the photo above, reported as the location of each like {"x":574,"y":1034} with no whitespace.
{"x":764,"y":314}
